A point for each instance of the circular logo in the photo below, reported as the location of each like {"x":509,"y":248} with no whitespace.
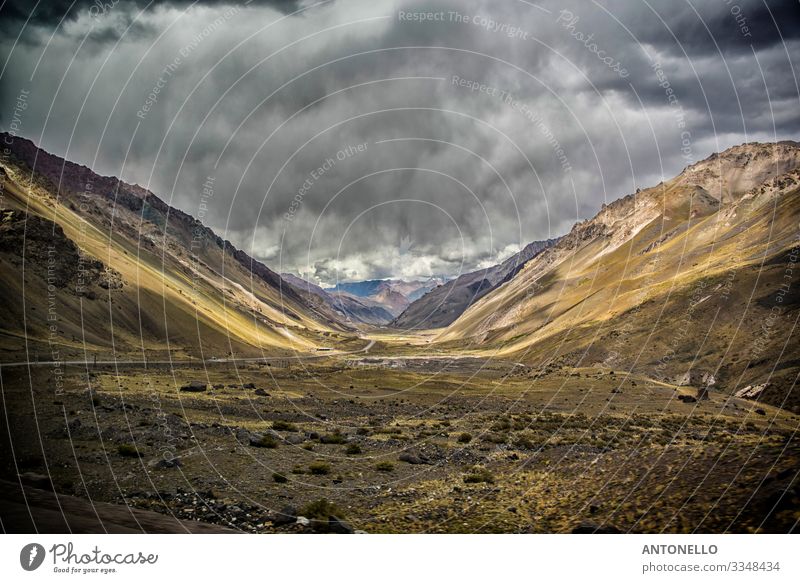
{"x":31,"y":556}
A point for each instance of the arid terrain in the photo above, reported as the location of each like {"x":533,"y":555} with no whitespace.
{"x":636,"y":375}
{"x":434,"y":447}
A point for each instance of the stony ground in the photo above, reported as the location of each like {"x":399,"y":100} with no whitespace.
{"x":404,"y":446}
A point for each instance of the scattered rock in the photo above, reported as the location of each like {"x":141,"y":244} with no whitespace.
{"x":751,"y":391}
{"x":194,"y":387}
{"x":302,"y":521}
{"x":760,"y":412}
{"x":162,"y":463}
{"x":687,"y":399}
{"x":410,"y":458}
{"x":261,"y":393}
{"x":249,"y":386}
{"x":287,"y":515}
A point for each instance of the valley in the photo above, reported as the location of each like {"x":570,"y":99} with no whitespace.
{"x":441,"y":446}
{"x":637,"y":374}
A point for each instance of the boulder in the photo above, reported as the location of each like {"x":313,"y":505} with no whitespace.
{"x":194,"y":387}
{"x":242,"y":436}
{"x":287,"y":515}
{"x":339,"y":526}
{"x":261,"y":393}
{"x":410,"y":458}
{"x":687,"y":399}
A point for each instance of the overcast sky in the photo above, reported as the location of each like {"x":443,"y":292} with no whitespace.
{"x":422,"y":171}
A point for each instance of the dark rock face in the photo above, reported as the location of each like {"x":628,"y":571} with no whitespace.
{"x":339,"y":526}
{"x":287,"y":515}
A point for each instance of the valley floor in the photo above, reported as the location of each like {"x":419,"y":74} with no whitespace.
{"x":422,"y":444}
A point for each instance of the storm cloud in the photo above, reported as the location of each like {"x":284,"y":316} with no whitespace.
{"x":366,"y":139}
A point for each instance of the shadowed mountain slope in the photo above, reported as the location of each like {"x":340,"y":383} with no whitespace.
{"x":129,"y":273}
{"x":443,"y":304}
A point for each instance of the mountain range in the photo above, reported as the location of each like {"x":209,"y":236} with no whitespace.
{"x":693,"y":278}
{"x":446,"y":302}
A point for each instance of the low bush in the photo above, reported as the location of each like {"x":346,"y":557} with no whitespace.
{"x":321,"y":510}
{"x":319,"y":468}
{"x":128,"y":450}
{"x":280,"y":425}
{"x":333,"y":438}
{"x":479,"y":475}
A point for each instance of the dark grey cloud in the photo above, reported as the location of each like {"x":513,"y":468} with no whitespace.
{"x":51,"y":12}
{"x":448,"y":178}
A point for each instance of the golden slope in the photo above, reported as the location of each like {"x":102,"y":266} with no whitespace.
{"x":663,"y":282}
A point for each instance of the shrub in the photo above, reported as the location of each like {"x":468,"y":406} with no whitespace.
{"x":496,"y":437}
{"x":464,"y":438}
{"x":267,"y":441}
{"x":501,"y":425}
{"x":128,"y":450}
{"x":334,"y":438}
{"x":280,"y":425}
{"x":479,"y":475}
{"x":524,"y":442}
{"x":321,"y":510}
{"x":308,"y":446}
{"x":385,"y":467}
{"x":353,"y":449}
{"x":320,"y":468}
{"x":279,"y":478}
